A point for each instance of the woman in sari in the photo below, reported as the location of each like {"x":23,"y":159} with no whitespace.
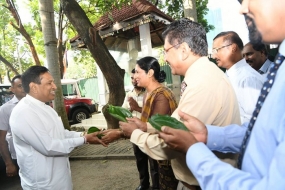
{"x":158,"y":99}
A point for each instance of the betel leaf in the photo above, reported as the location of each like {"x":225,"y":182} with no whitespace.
{"x":119,"y":113}
{"x":157,"y":121}
{"x":120,"y":118}
{"x":93,"y":130}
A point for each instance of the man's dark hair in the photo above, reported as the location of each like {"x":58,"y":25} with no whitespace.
{"x":133,"y":71}
{"x":186,"y":30}
{"x":231,"y":37}
{"x":260,"y":47}
{"x":14,"y":78}
{"x":32,"y":74}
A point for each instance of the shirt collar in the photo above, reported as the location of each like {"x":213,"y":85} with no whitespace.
{"x":236,"y":66}
{"x":14,"y":100}
{"x":265,"y":66}
{"x":282,"y":48}
{"x":140,"y":92}
{"x":35,"y":101}
{"x":196,"y":65}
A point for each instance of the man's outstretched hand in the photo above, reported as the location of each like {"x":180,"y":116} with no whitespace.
{"x":92,"y":138}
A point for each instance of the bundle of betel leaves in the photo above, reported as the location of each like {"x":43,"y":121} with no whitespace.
{"x":157,"y":120}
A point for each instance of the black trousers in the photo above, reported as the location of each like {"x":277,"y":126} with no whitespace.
{"x":142,"y":164}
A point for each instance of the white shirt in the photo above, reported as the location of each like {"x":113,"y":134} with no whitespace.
{"x":42,"y":146}
{"x":138,"y":97}
{"x":5,"y":112}
{"x":247,"y":84}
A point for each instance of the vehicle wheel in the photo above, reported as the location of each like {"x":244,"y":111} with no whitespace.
{"x":79,"y":115}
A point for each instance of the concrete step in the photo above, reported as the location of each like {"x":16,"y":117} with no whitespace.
{"x":94,"y":121}
{"x":98,"y":116}
{"x":97,"y":120}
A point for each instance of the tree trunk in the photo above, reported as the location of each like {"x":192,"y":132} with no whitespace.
{"x":20,"y":28}
{"x":60,"y":44}
{"x":48,"y":26}
{"x":112,"y":72}
{"x":190,"y":9}
{"x":9,"y":65}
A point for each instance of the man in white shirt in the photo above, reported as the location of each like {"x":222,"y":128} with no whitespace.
{"x":7,"y":149}
{"x":41,"y":143}
{"x":256,"y":56}
{"x":134,"y":98}
{"x":227,"y":51}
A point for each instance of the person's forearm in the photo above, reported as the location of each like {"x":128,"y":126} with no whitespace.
{"x":5,"y":152}
{"x":212,"y":173}
{"x":138,"y":109}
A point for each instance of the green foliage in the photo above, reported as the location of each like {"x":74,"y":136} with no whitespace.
{"x":12,"y":46}
{"x":202,"y":10}
{"x":174,"y":8}
{"x":83,"y":65}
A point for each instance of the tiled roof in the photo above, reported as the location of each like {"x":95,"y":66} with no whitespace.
{"x":123,"y":24}
{"x":137,"y":8}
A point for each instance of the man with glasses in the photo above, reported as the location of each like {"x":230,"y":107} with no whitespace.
{"x":206,"y":93}
{"x":227,"y":51}
{"x":7,"y":149}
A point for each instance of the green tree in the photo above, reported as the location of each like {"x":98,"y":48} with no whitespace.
{"x":16,"y":45}
{"x":21,"y":29}
{"x":113,"y":73}
{"x":174,"y":8}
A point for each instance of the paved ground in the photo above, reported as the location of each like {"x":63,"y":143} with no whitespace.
{"x":121,"y":149}
{"x":95,"y":167}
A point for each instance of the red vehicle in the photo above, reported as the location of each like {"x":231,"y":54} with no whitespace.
{"x":77,"y":107}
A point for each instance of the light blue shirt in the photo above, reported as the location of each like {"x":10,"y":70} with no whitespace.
{"x":263,"y":166}
{"x":265,"y":67}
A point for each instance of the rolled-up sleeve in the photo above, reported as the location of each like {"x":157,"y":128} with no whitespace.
{"x":152,"y":145}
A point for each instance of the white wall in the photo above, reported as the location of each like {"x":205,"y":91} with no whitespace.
{"x":225,"y":16}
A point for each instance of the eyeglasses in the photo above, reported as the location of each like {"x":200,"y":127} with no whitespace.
{"x":215,"y":50}
{"x":166,"y":50}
